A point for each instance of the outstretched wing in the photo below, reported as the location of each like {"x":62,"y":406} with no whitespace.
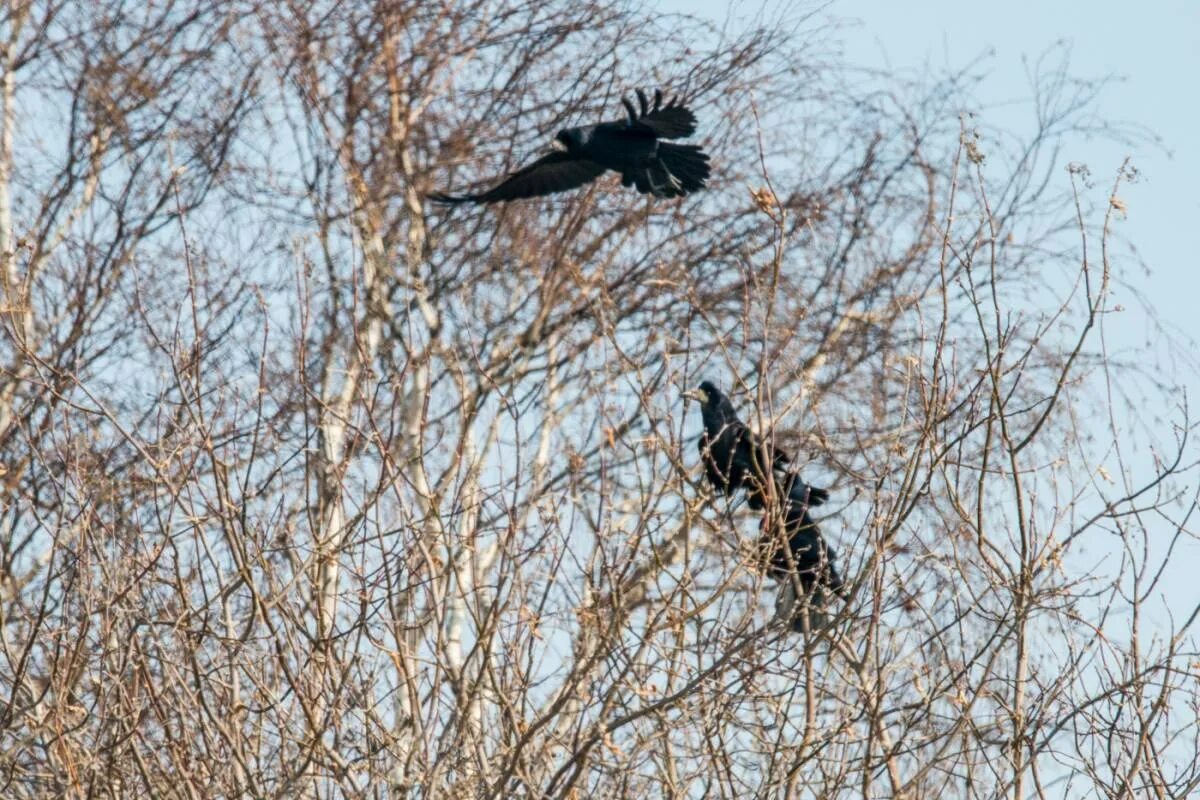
{"x":672,"y":121}
{"x":717,"y":457}
{"x":555,"y":172}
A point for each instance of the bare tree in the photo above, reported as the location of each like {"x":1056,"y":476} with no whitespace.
{"x":311,"y":489}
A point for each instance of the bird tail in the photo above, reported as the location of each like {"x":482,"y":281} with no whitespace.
{"x":804,"y":610}
{"x":791,"y":490}
{"x":817,"y":496}
{"x":686,"y":164}
{"x":803,"y":603}
{"x":797,"y":491}
{"x":678,"y":169}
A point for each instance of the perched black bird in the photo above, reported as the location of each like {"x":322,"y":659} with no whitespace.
{"x":733,"y":456}
{"x":632,"y":147}
{"x":801,"y":560}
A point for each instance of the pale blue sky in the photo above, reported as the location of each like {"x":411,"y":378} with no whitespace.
{"x":1152,"y":50}
{"x":1153,"y":46}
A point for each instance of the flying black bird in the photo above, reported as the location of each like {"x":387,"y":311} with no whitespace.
{"x":733,"y":456}
{"x":632,"y":147}
{"x":805,"y":565}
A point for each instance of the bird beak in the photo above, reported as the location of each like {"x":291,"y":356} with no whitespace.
{"x":695,"y":394}
{"x":558,"y":146}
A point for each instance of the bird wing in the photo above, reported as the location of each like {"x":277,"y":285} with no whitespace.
{"x":715,"y":456}
{"x":672,"y":121}
{"x":787,"y":484}
{"x":722,"y":452}
{"x":754,"y":455}
{"x":555,"y":172}
{"x":814,"y":559}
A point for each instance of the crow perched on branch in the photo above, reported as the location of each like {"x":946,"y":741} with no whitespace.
{"x":733,"y":456}
{"x":632,"y":147}
{"x":800,"y":559}
{"x":797,"y":556}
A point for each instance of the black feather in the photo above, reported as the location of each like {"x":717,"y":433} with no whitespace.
{"x":631,"y":147}
{"x":630,"y":110}
{"x":641,"y":96}
{"x":555,"y":172}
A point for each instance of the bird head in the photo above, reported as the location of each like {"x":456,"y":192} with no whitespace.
{"x":567,"y":139}
{"x":706,"y":393}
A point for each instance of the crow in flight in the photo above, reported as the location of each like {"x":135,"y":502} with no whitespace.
{"x":632,"y":147}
